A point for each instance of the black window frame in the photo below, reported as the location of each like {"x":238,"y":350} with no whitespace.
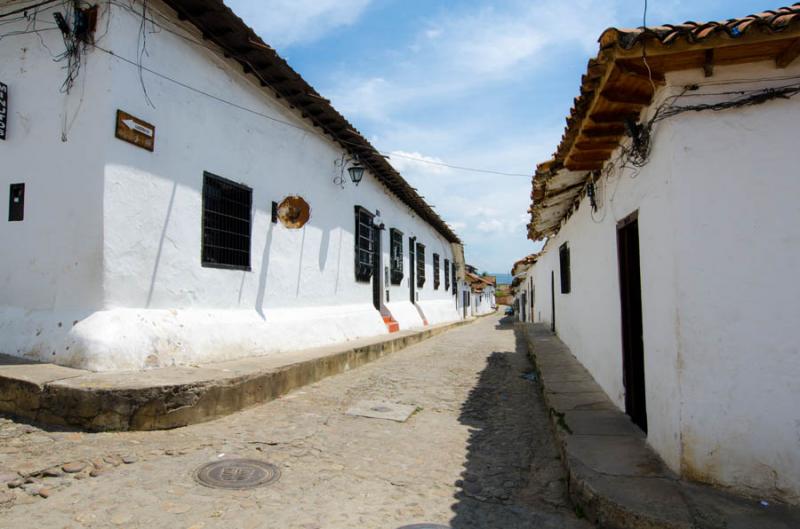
{"x":447,"y":275}
{"x":564,"y":268}
{"x":420,"y":255}
{"x":395,"y":256}
{"x":214,"y":255}
{"x":364,"y":244}
{"x":436,"y":272}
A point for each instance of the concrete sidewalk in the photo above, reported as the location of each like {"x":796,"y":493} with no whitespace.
{"x":178,"y":396}
{"x":614,"y":475}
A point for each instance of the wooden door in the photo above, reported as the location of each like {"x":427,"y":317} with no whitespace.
{"x":630,"y":292}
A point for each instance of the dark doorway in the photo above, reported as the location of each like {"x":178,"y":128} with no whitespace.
{"x":553,"y":300}
{"x":377,"y":269}
{"x":412,"y":243}
{"x":630,"y":292}
{"x":524,"y":306}
{"x":465,"y":303}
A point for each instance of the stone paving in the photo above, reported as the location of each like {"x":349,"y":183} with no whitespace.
{"x":477,"y":453}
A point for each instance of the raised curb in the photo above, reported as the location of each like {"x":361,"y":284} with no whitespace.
{"x":614,"y":477}
{"x":172,"y":397}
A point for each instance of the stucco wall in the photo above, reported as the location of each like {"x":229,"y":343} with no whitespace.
{"x":159,"y":305}
{"x":51,"y":260}
{"x":718,"y":256}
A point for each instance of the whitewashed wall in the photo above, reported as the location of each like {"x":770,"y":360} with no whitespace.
{"x":141,"y":296}
{"x":51,"y":262}
{"x":720,"y":247}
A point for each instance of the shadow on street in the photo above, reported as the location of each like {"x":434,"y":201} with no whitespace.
{"x":512,"y":476}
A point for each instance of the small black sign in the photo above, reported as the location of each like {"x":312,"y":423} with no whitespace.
{"x":3,"y":110}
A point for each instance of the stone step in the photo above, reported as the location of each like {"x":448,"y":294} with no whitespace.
{"x":171,"y":397}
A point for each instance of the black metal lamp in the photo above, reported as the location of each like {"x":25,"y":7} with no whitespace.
{"x":356,"y":171}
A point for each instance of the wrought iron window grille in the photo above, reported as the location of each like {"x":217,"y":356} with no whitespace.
{"x":364,"y":244}
{"x":226,"y":223}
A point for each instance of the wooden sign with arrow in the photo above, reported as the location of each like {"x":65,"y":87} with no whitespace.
{"x":135,"y":131}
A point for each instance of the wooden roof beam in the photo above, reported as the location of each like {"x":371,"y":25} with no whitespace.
{"x":708,"y":63}
{"x":626,"y":98}
{"x":589,"y":156}
{"x":607,"y":134}
{"x":788,"y":55}
{"x":603,"y":118}
{"x":583,"y":166}
{"x":631,"y":69}
{"x":599,"y":144}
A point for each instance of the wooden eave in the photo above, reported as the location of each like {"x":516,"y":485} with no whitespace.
{"x":220,"y":25}
{"x":619,"y":84}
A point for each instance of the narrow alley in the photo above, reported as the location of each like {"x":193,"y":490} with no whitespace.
{"x":477,"y":453}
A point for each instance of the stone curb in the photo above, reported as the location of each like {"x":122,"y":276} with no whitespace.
{"x":60,"y":396}
{"x":614,"y":477}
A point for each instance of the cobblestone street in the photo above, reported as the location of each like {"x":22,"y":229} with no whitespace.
{"x":477,"y":453}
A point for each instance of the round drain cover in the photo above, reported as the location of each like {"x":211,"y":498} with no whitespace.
{"x":237,"y":474}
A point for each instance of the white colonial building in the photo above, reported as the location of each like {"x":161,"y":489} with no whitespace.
{"x":523,"y":288}
{"x":178,"y":194}
{"x":671,"y":213}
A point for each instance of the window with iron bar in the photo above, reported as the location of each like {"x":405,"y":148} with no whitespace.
{"x":447,"y":274}
{"x":396,"y":248}
{"x":226,"y":223}
{"x":364,"y":244}
{"x":436,"y":274}
{"x":420,"y":265}
{"x":563,"y":257}
{"x":455,"y":282}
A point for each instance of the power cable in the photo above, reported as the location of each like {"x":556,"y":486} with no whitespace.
{"x":138,"y":64}
{"x":152,"y":20}
{"x":287,"y":123}
{"x":28,"y":8}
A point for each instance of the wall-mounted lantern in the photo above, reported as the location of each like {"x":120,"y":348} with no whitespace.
{"x":355,"y":170}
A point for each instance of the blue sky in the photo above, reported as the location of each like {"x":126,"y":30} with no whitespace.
{"x":476,"y":83}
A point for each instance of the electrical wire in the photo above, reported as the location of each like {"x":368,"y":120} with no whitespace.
{"x":288,"y":123}
{"x":198,"y":43}
{"x":28,"y":8}
{"x":142,"y":52}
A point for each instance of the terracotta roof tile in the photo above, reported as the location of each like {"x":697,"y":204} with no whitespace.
{"x":694,"y":32}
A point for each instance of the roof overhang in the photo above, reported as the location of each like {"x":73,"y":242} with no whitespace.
{"x":620,"y":82}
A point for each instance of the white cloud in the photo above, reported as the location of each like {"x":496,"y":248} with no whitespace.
{"x":407,"y":162}
{"x":282,"y":23}
{"x":452,"y":93}
{"x":491,"y":226}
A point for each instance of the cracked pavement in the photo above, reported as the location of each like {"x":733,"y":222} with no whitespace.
{"x":477,"y":453}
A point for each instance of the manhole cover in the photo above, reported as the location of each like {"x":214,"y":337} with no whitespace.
{"x":237,"y":474}
{"x":425,"y":526}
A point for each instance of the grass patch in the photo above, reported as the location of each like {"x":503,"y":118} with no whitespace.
{"x":560,"y":421}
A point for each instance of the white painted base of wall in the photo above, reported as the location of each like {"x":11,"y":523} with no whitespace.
{"x":484,"y":308}
{"x":406,"y":314}
{"x":438,"y":311}
{"x":133,"y":339}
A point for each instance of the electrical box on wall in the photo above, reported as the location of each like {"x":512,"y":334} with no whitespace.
{"x":16,"y":202}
